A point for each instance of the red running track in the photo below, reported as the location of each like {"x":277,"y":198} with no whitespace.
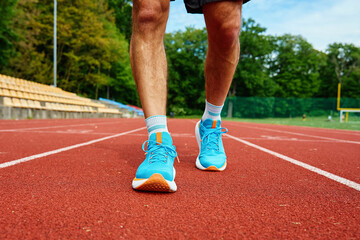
{"x":80,"y":187}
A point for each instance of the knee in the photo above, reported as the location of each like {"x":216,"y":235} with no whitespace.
{"x":228,"y":34}
{"x":149,"y":15}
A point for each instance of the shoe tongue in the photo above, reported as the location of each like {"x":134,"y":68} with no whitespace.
{"x":161,"y":137}
{"x":209,"y":123}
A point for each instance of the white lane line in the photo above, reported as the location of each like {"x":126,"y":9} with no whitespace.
{"x":25,"y":159}
{"x":60,"y":126}
{"x":172,"y":135}
{"x":288,"y":140}
{"x":305,"y":135}
{"x":86,"y":132}
{"x":68,"y":132}
{"x":333,"y":130}
{"x":331,"y":176}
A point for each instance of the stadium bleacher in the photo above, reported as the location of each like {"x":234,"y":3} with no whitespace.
{"x":20,"y":98}
{"x":130,"y":108}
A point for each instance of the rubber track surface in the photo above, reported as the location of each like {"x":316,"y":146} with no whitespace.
{"x":85,"y":192}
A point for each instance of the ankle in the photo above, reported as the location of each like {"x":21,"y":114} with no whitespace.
{"x":156,"y":124}
{"x":212,"y":111}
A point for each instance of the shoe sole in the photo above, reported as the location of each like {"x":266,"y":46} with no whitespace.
{"x":211,"y":168}
{"x":156,"y":183}
{"x":197,"y":163}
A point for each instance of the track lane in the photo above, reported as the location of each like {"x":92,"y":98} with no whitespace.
{"x":321,"y":133}
{"x":7,"y":124}
{"x":86,"y":193}
{"x":339,"y":158}
{"x":51,"y":124}
{"x":19,"y":144}
{"x":319,"y":171}
{"x":59,"y":150}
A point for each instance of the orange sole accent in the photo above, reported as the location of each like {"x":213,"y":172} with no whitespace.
{"x":212,"y":168}
{"x":156,"y":183}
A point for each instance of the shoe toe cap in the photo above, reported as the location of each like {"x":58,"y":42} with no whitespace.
{"x":147,"y":172}
{"x":216,"y":161}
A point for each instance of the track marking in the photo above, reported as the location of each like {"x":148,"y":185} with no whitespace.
{"x":316,"y":129}
{"x":333,"y":130}
{"x":175,"y":135}
{"x":90,"y":132}
{"x":281,"y":131}
{"x":289,"y":140}
{"x":285,"y":139}
{"x":83,"y":132}
{"x":186,"y":135}
{"x":305,"y":135}
{"x":25,"y":159}
{"x":319,"y":171}
{"x":60,"y":126}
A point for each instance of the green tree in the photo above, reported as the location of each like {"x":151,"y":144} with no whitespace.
{"x":7,"y":35}
{"x":295,"y":67}
{"x":122,"y":11}
{"x":252,"y":75}
{"x":121,"y":82}
{"x":91,"y":50}
{"x":88,"y":43}
{"x":342,"y":66}
{"x":31,"y":61}
{"x":186,"y":53}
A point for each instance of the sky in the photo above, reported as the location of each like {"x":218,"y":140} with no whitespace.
{"x":320,"y":22}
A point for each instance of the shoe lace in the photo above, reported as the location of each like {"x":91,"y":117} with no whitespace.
{"x":159,"y":152}
{"x":212,"y":138}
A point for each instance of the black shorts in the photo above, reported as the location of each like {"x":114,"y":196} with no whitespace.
{"x":195,"y":6}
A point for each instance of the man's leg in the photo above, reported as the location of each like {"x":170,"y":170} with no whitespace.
{"x":148,"y":62}
{"x":223,"y":22}
{"x":147,"y":54}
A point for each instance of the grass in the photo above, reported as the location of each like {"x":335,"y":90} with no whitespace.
{"x":319,"y":122}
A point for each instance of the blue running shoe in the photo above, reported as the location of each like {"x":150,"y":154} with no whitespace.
{"x":157,"y":172}
{"x":212,"y":154}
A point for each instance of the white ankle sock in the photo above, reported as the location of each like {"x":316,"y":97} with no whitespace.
{"x":156,"y":124}
{"x":211,"y":111}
